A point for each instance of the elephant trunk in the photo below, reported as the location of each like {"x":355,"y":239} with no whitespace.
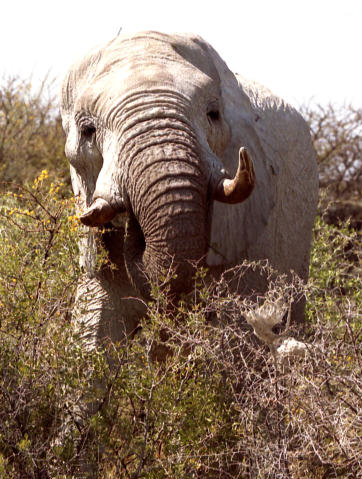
{"x":167,"y":228}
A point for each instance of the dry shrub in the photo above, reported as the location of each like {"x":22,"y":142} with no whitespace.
{"x":221,"y":403}
{"x":31,"y":135}
{"x":337,"y":138}
{"x":232,"y":398}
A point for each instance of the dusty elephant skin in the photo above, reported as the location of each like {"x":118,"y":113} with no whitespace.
{"x":183,"y":160}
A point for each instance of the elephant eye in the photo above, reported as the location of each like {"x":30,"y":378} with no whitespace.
{"x":88,"y":130}
{"x":213,"y":115}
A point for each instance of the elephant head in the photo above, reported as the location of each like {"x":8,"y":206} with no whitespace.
{"x":146,"y":130}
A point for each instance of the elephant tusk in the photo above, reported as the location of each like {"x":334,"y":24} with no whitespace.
{"x":99,"y":213}
{"x":240,"y":187}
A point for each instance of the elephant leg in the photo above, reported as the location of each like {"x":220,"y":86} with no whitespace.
{"x":107,"y":310}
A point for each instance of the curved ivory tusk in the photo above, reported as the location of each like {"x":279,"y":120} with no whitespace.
{"x":99,"y":213}
{"x":240,"y":187}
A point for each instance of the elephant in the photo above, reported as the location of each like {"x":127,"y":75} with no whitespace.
{"x":183,"y":161}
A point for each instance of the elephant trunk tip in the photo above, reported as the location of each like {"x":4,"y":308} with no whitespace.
{"x":99,"y":213}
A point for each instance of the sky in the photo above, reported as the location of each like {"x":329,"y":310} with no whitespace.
{"x":306,"y":51}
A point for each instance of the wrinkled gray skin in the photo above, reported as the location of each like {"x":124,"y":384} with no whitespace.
{"x":154,"y":125}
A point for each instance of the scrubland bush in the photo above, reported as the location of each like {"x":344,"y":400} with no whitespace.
{"x":221,"y":404}
{"x":31,"y":135}
{"x":226,"y":401}
{"x":337,"y":139}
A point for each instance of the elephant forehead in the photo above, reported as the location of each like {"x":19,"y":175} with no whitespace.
{"x":143,"y":61}
{"x":143,"y":71}
{"x":137,"y":85}
{"x":152,"y":46}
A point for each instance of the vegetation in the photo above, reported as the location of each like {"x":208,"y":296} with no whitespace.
{"x":221,"y":404}
{"x":31,"y":135}
{"x":337,"y":139}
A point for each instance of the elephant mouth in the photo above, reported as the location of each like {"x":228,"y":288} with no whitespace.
{"x":153,"y":265}
{"x":134,"y":248}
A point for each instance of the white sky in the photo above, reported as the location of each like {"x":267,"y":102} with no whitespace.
{"x":301,"y":49}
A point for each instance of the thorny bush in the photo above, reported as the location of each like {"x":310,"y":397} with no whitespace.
{"x":337,"y":138}
{"x":220,"y":405}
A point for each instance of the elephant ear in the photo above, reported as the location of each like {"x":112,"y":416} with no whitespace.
{"x":275,"y":222}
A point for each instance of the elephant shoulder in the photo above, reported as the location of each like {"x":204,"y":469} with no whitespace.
{"x":282,"y":205}
{"x":276,"y":131}
{"x":279,"y":119}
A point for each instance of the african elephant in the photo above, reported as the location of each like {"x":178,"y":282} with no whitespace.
{"x":156,"y":126}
